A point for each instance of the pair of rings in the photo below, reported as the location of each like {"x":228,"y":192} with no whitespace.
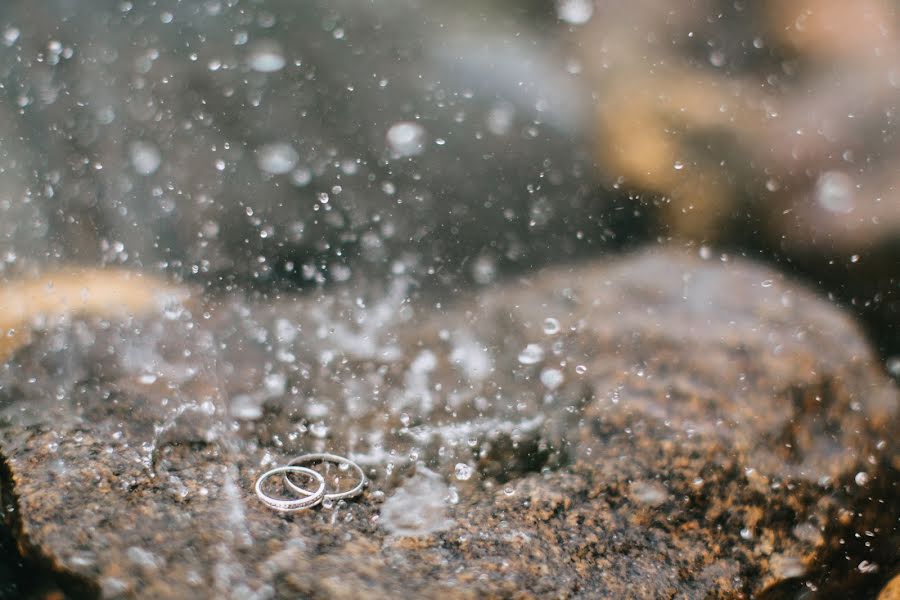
{"x":308,"y":498}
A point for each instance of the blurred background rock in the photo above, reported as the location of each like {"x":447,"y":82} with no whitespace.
{"x":770,"y":127}
{"x":288,"y":143}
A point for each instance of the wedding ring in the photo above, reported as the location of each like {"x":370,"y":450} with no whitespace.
{"x":333,"y":458}
{"x":309,"y":500}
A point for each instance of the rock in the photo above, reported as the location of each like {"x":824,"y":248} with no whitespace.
{"x":734,"y":125}
{"x":892,"y":590}
{"x":97,"y":292}
{"x":703,"y":435}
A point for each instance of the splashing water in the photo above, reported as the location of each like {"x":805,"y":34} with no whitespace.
{"x":418,"y":507}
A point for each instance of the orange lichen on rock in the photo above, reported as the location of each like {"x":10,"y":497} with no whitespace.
{"x":107,"y":293}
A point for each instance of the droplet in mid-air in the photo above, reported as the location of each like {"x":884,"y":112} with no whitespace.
{"x":531,"y":354}
{"x":893,"y":366}
{"x":145,"y":157}
{"x":551,"y":326}
{"x":266,"y":57}
{"x":301,"y":176}
{"x":575,"y":12}
{"x":10,"y":35}
{"x":246,"y":408}
{"x":406,"y":138}
{"x":834,"y":192}
{"x":551,"y":378}
{"x":278,"y":158}
{"x":484,"y":269}
{"x":500,"y":118}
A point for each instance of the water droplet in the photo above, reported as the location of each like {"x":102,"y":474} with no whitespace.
{"x":678,"y":165}
{"x":581,"y":369}
{"x":246,"y":408}
{"x":551,"y":326}
{"x":717,"y":58}
{"x":575,"y":12}
{"x":406,"y":138}
{"x":834,"y":192}
{"x":650,"y":493}
{"x":277,"y":158}
{"x":867,"y":567}
{"x":893,"y":366}
{"x":767,"y":283}
{"x":10,"y":35}
{"x":173,"y":311}
{"x":463,"y":471}
{"x":319,"y":430}
{"x":301,"y":176}
{"x":500,"y":118}
{"x":349,"y":167}
{"x":147,"y":379}
{"x":276,"y":384}
{"x":266,"y":57}
{"x":551,"y":378}
{"x":862,"y":478}
{"x":484,"y":269}
{"x":145,"y":157}
{"x":388,"y":188}
{"x":531,"y":354}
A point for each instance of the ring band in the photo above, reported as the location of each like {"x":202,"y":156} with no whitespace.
{"x":310,"y":499}
{"x":333,"y":458}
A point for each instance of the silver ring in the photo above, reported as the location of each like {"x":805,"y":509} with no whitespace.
{"x":310,"y":500}
{"x":334,"y":458}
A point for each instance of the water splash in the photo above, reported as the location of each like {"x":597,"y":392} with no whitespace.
{"x":418,"y":507}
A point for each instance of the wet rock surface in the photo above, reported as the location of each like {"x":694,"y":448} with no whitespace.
{"x":653,"y":426}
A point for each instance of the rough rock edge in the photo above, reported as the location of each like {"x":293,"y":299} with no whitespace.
{"x":37,"y":565}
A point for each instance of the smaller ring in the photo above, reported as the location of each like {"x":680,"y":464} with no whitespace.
{"x":311,"y":499}
{"x":334,"y":458}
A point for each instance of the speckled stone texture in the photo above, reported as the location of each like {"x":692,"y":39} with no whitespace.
{"x":680,"y":428}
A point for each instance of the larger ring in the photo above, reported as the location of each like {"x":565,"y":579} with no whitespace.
{"x":310,"y":499}
{"x":334,"y":458}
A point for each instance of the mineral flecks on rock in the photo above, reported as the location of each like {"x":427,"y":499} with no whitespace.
{"x":705,"y":438}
